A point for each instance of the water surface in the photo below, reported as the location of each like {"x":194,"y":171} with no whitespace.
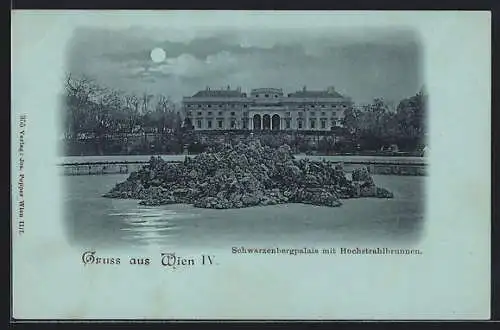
{"x":97,"y":222}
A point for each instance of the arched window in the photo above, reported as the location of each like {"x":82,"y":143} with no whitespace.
{"x":299,"y":123}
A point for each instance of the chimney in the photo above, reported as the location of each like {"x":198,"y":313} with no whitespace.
{"x":330,"y":89}
{"x":304,"y":88}
{"x":228,"y":87}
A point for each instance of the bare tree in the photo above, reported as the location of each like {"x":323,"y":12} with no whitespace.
{"x":132,"y":108}
{"x":80,"y":95}
{"x":146,"y":98}
{"x":166,"y":108}
{"x":161,"y":103}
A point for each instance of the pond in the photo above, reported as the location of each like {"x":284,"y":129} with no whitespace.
{"x":97,"y":222}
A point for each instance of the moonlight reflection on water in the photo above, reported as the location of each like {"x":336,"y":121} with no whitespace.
{"x":101,"y":222}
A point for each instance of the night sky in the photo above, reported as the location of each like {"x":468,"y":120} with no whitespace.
{"x":362,"y":64}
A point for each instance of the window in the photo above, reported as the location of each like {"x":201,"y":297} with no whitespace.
{"x":244,"y":105}
{"x":199,"y":113}
{"x":189,"y":113}
{"x":287,"y":123}
{"x":220,"y":105}
{"x":300,"y":114}
{"x":232,"y":113}
{"x":257,"y":95}
{"x":199,"y":123}
{"x":333,"y":122}
{"x":313,"y":123}
{"x":244,"y":123}
{"x":209,"y":124}
{"x":232,"y":105}
{"x":300,"y":123}
{"x":245,"y":114}
{"x":322,"y":105}
{"x":313,"y":106}
{"x":233,"y":124}
{"x":323,"y":113}
{"x":210,"y":113}
{"x":209,"y":105}
{"x":220,"y":123}
{"x":267,"y":95}
{"x":323,"y":124}
{"x":313,"y":113}
{"x":288,"y":114}
{"x":220,"y":113}
{"x":199,"y":105}
{"x":276,"y":96}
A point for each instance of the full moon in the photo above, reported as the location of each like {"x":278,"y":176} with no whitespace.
{"x":158,"y":55}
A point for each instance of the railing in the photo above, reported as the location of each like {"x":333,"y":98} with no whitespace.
{"x":122,"y":165}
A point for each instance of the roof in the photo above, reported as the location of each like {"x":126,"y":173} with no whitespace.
{"x":317,"y":94}
{"x":267,"y":89}
{"x":219,"y":93}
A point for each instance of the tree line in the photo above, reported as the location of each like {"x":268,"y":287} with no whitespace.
{"x":100,"y":114}
{"x":93,"y":110}
{"x":375,"y":126}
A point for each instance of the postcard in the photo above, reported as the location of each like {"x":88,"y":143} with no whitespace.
{"x":250,"y":165}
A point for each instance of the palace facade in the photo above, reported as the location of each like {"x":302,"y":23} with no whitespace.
{"x":265,"y":109}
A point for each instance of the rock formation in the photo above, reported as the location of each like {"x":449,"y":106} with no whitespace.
{"x":243,"y":176}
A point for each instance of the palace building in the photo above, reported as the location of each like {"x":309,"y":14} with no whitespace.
{"x":265,"y":109}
